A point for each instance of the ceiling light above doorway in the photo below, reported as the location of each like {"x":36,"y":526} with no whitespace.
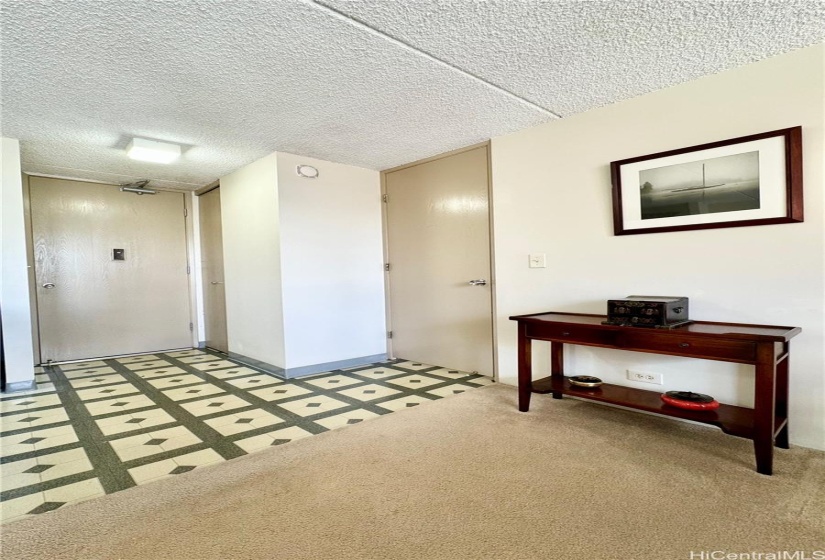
{"x":307,"y":171}
{"x":151,"y":150}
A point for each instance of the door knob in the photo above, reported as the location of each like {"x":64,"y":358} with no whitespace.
{"x":216,"y":283}
{"x":48,"y":285}
{"x":481,"y":282}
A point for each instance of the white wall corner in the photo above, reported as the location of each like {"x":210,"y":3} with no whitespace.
{"x":14,"y":278}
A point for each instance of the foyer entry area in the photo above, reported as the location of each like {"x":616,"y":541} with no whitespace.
{"x":97,"y":427}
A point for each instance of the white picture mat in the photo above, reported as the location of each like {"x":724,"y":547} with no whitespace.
{"x":772,"y":185}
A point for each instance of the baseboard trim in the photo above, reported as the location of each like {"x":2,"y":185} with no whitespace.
{"x":291,"y":373}
{"x":18,"y":386}
{"x":258,"y":364}
{"x":340,"y":364}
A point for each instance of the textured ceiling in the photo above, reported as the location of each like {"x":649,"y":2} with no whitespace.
{"x":235,"y":80}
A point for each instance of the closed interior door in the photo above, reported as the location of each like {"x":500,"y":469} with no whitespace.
{"x":438,"y":233}
{"x":110,"y":270}
{"x":214,"y":294}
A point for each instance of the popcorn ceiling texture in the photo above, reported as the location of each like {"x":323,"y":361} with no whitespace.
{"x":234,"y":81}
{"x":572,"y":56}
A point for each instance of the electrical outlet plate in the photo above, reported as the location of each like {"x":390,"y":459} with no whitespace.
{"x":645,"y":377}
{"x":538,"y":260}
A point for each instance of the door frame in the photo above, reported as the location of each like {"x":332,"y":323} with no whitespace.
{"x":189,"y":228}
{"x":201,"y":297}
{"x":492,"y":273}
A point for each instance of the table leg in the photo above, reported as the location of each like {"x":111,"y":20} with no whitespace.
{"x":525,"y":369}
{"x":782,"y":398}
{"x":557,"y":363}
{"x":764,"y":407}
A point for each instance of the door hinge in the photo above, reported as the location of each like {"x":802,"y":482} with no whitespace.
{"x":385,"y":198}
{"x":188,"y":270}
{"x":387,"y":267}
{"x":389,"y":334}
{"x":191,"y":327}
{"x":185,"y":212}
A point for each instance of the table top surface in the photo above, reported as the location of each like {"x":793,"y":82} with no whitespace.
{"x":700,"y":328}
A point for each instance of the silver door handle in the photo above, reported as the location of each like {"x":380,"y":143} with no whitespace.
{"x":215,"y":283}
{"x":48,"y":285}
{"x":481,"y":282}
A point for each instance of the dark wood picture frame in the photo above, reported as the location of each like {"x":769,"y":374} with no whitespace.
{"x":793,"y":207}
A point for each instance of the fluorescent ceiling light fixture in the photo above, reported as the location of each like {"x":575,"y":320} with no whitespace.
{"x":152,"y":150}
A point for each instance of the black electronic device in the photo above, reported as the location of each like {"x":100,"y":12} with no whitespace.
{"x":661,"y":312}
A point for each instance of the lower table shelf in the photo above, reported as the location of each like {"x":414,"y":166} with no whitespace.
{"x":733,"y":420}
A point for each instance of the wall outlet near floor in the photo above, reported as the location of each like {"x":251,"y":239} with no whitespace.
{"x":643,"y":377}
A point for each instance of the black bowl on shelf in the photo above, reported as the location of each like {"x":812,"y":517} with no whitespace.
{"x":585,"y":381}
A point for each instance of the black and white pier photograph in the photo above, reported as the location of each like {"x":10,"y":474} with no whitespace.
{"x":721,"y":184}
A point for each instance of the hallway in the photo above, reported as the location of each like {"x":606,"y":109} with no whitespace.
{"x":97,"y":427}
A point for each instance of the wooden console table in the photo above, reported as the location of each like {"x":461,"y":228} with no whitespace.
{"x":763,"y":346}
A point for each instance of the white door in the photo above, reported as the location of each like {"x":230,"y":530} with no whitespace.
{"x":438,"y":237}
{"x":110,"y":270}
{"x":214,"y":295}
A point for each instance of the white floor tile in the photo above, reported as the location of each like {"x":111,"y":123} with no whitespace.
{"x":107,"y":391}
{"x":174,"y":466}
{"x":144,"y":445}
{"x":88,"y":372}
{"x":37,"y":440}
{"x":82,"y":365}
{"x":378,"y":373}
{"x":118,"y":404}
{"x":198,"y":358}
{"x":27,"y":403}
{"x":214,"y":364}
{"x":415,"y":381}
{"x":185,"y":353}
{"x":404,"y":403}
{"x":193,"y":392}
{"x":449,"y":373}
{"x":160,"y":372}
{"x":27,"y":472}
{"x":278,"y":437}
{"x":334,"y":381}
{"x":151,"y":364}
{"x":235,"y":372}
{"x":213,"y":405}
{"x":33,"y":419}
{"x":97,"y":381}
{"x":449,"y":391}
{"x":346,"y":419}
{"x":280,"y":392}
{"x":315,"y":404}
{"x":139,"y":358}
{"x":413,"y":365}
{"x":136,"y":421}
{"x":231,"y":424}
{"x":175,"y":381}
{"x":254,"y":381}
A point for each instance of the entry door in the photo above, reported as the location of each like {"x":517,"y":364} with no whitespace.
{"x":110,"y":270}
{"x":214,"y":294}
{"x":438,"y":234}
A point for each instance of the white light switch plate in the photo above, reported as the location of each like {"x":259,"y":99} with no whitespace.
{"x":538,"y":260}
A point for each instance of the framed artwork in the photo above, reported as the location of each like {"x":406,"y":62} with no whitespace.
{"x":748,"y":181}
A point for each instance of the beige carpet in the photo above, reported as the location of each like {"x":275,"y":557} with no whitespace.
{"x":465,"y":477}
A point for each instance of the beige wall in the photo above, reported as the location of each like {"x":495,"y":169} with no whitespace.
{"x":14,"y":278}
{"x":252,"y":262}
{"x":332,"y":262}
{"x":303,"y":264}
{"x":552,"y":194}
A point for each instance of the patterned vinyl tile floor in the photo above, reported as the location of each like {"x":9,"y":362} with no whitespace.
{"x":101,"y":426}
